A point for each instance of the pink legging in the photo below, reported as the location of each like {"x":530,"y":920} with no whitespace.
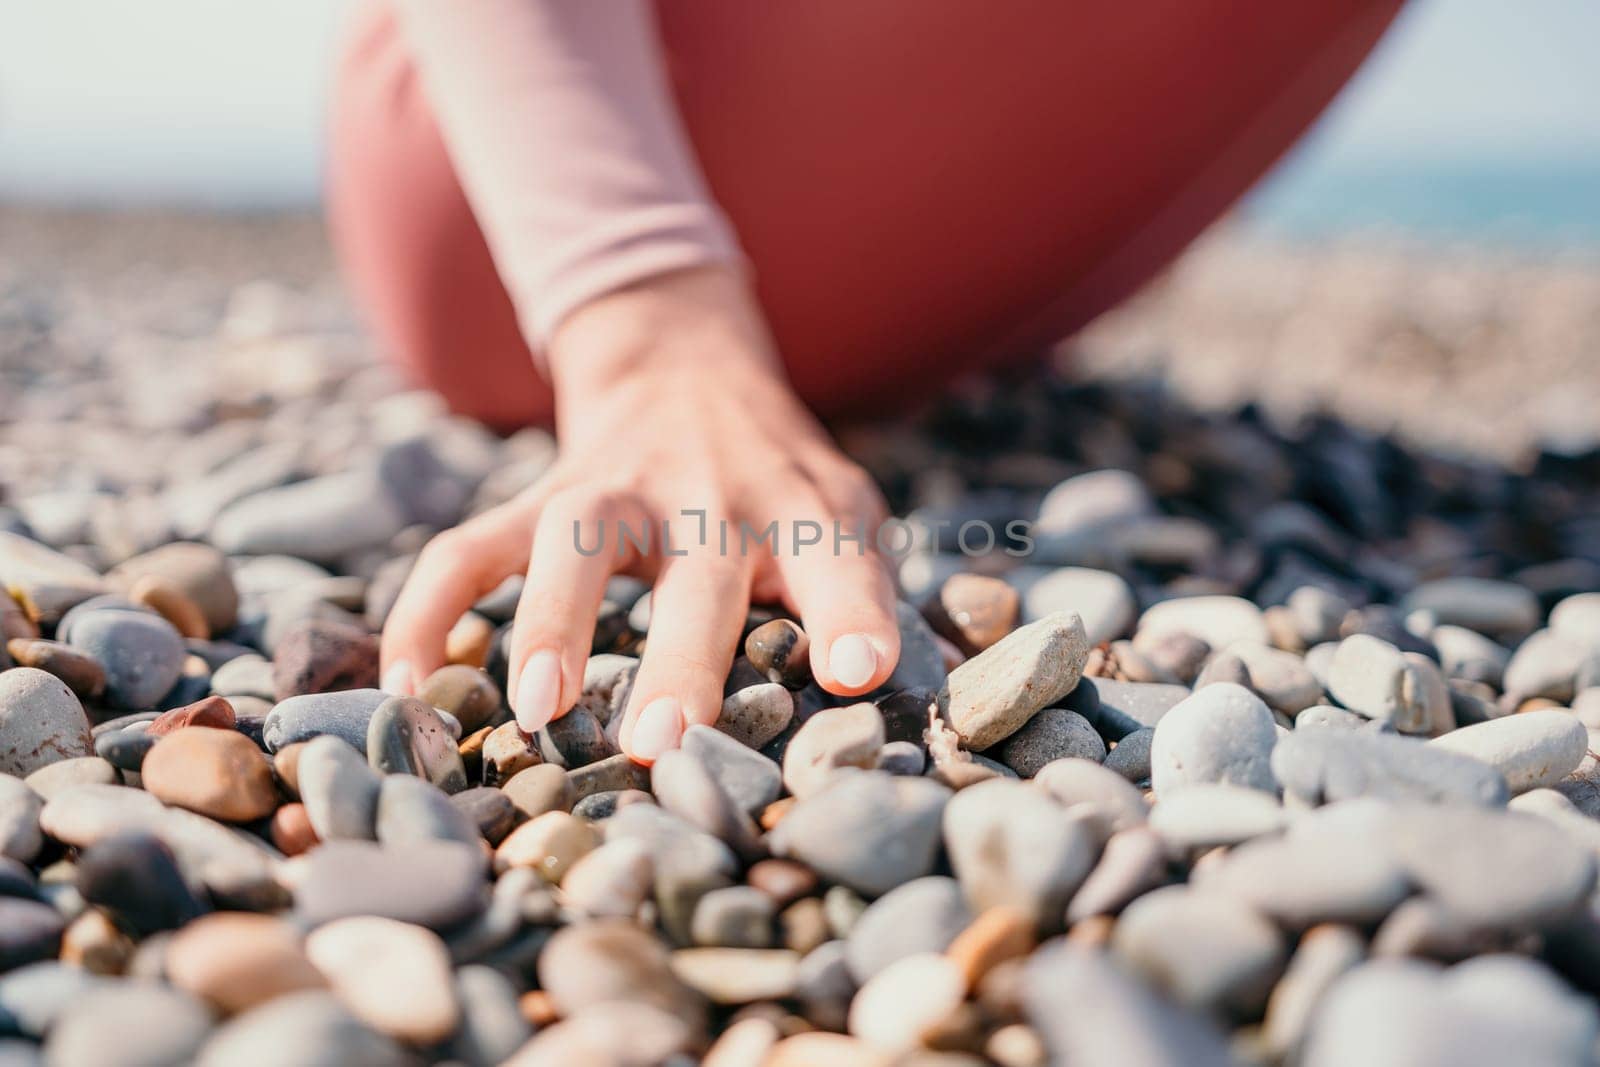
{"x":923,"y":187}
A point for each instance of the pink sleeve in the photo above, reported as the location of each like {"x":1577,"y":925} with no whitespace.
{"x":561,"y":124}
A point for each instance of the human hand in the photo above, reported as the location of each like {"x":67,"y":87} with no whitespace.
{"x":671,"y":409}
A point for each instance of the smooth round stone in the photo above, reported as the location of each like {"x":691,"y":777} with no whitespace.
{"x":490,"y":810}
{"x":750,"y":779}
{"x":506,"y":752}
{"x":1207,"y":951}
{"x":1318,"y":766}
{"x":1530,"y":750}
{"x":142,"y":653}
{"x":781,"y":651}
{"x":393,"y":976}
{"x":217,"y":773}
{"x":410,"y":809}
{"x":339,"y":790}
{"x":1117,"y":709}
{"x":1373,"y":677}
{"x":1103,"y":600}
{"x":1577,"y":619}
{"x":298,"y":1029}
{"x":613,"y":960}
{"x":113,"y":1026}
{"x":20,"y":838}
{"x":1011,"y":846}
{"x":612,"y":774}
{"x":465,"y":692}
{"x":689,"y":789}
{"x":924,"y":915}
{"x":1094,"y":501}
{"x":85,"y":677}
{"x":1495,"y":1009}
{"x":34,"y":995}
{"x":906,"y":1002}
{"x":755,"y":715}
{"x":1327,"y":716}
{"x":36,"y":574}
{"x":1481,"y":604}
{"x":902,"y":757}
{"x":1281,"y":679}
{"x":598,"y":807}
{"x":1223,"y":734}
{"x":41,"y":722}
{"x":993,"y":695}
{"x":1309,"y":877}
{"x":1217,"y":620}
{"x":618,"y":1032}
{"x":738,"y":975}
{"x":538,"y":789}
{"x":406,"y":736}
{"x":1053,"y":734}
{"x":1546,"y":665}
{"x":212,"y":711}
{"x":614,"y":880}
{"x":832,"y":738}
{"x":492,"y":1026}
{"x":345,"y":715}
{"x":126,"y":749}
{"x":607,"y":682}
{"x":1130,"y":757}
{"x":1075,"y":783}
{"x":865,"y":829}
{"x":92,"y":941}
{"x":1467,"y":654}
{"x":198,"y":571}
{"x":1317,"y":613}
{"x":974,"y":611}
{"x":576,"y":739}
{"x":1133,"y":862}
{"x":235,"y":961}
{"x":29,"y":931}
{"x":248,"y":675}
{"x":437,"y":884}
{"x":1205,"y":815}
{"x":291,"y":830}
{"x":549,"y":844}
{"x":322,"y":519}
{"x":136,"y":878}
{"x":921,"y":664}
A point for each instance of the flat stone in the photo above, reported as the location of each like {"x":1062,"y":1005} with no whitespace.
{"x":752,"y":780}
{"x":301,"y":1028}
{"x":1103,"y":600}
{"x":81,"y":673}
{"x":1206,"y":815}
{"x":1074,"y":783}
{"x":1482,"y":604}
{"x":906,"y":1002}
{"x":142,"y":653}
{"x":112,"y":1025}
{"x":689,"y":789}
{"x":1218,"y":620}
{"x":614,"y":960}
{"x":393,"y":976}
{"x":1011,"y":846}
{"x":322,"y":519}
{"x":339,"y":790}
{"x":212,"y":711}
{"x":490,"y":810}
{"x":345,"y":715}
{"x":1207,"y":951}
{"x":38,"y":575}
{"x":738,"y":975}
{"x":235,"y":961}
{"x":830,"y":739}
{"x":1547,"y":665}
{"x":1053,"y":734}
{"x":613,"y":880}
{"x":1310,"y":877}
{"x":991,"y":696}
{"x":248,"y":675}
{"x":613,"y":773}
{"x":867,"y":830}
{"x":198,"y":571}
{"x":549,"y":844}
{"x":1469,"y":655}
{"x":1530,"y":750}
{"x":973,"y":611}
{"x":755,"y":715}
{"x":923,"y":915}
{"x":411,"y":809}
{"x":407,"y":736}
{"x":1223,"y":734}
{"x":538,"y":789}
{"x":437,"y":884}
{"x":1319,"y":766}
{"x":41,"y":722}
{"x":217,"y":773}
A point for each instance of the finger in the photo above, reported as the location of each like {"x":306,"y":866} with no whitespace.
{"x":844,"y":593}
{"x":697,"y":612}
{"x":452,"y":572}
{"x":576,"y":547}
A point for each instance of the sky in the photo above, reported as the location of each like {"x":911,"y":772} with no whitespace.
{"x":220,"y":102}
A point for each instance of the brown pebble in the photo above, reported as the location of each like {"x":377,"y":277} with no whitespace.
{"x":467,"y":643}
{"x":785,"y":881}
{"x":999,"y":934}
{"x":773,"y":813}
{"x":1282,"y":630}
{"x":217,"y":773}
{"x":465,"y":692}
{"x":1093,"y":932}
{"x":538,"y":789}
{"x":172,"y":604}
{"x":507,"y":751}
{"x":235,"y":960}
{"x":973,"y":611}
{"x":286,"y":765}
{"x":780,"y":652}
{"x":212,"y":711}
{"x":14,"y":622}
{"x":291,"y":830}
{"x":93,"y":943}
{"x":538,"y":1008}
{"x":821,"y":1049}
{"x":324,"y":656}
{"x":803,"y":925}
{"x":1538,"y":704}
{"x":82,"y":674}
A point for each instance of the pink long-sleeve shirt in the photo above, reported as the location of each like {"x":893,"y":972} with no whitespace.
{"x":561,"y":124}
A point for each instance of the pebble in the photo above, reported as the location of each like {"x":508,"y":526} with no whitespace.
{"x":549,"y":844}
{"x":85,"y":677}
{"x":345,"y":715}
{"x":1530,"y":750}
{"x":1370,"y":676}
{"x":1010,"y":845}
{"x":1092,"y":502}
{"x":612,"y":774}
{"x":1546,"y":665}
{"x":1310,"y":877}
{"x":1324,"y":954}
{"x":1051,"y":735}
{"x":923,"y":915}
{"x":1117,"y":709}
{"x":141,"y":652}
{"x":323,"y":656}
{"x":249,"y":675}
{"x":613,"y":880}
{"x":410,"y":809}
{"x":20,"y":838}
{"x":217,"y":773}
{"x":339,"y":790}
{"x":1133,"y":862}
{"x":538,"y":789}
{"x":1281,"y":679}
{"x":1209,"y":814}
{"x":41,"y":722}
{"x":198,"y":571}
{"x":1103,"y":600}
{"x":921,"y":664}
{"x":750,"y":779}
{"x":739,"y":916}
{"x":1322,"y":766}
{"x":437,"y":884}
{"x":757,"y":714}
{"x":236,"y":961}
{"x":112,"y":1026}
{"x":1485,"y":605}
{"x":406,"y":736}
{"x":738,"y":975}
{"x":610,"y":1033}
{"x":291,"y":830}
{"x":994,"y":694}
{"x":1469,"y":655}
{"x":781,"y":651}
{"x":393,"y":976}
{"x":832,"y":738}
{"x":575,"y":740}
{"x":136,"y":878}
{"x":465,"y":692}
{"x":320,"y":519}
{"x":902,"y":757}
{"x":29,"y":931}
{"x":492,"y":1028}
{"x":1207,"y":951}
{"x":1218,"y":620}
{"x":903,"y":1004}
{"x":973,"y":611}
{"x":43,"y":578}
{"x":689,"y":789}
{"x":1073,"y":782}
{"x":212,"y":711}
{"x":614,"y":960}
{"x":490,"y":810}
{"x":300,"y":1028}
{"x":1130,"y":757}
{"x":506,"y":752}
{"x":1223,"y":734}
{"x":867,"y":830}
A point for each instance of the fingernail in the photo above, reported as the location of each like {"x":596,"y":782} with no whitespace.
{"x":538,"y":691}
{"x":397,"y":679}
{"x":851,"y":660}
{"x":659,"y":727}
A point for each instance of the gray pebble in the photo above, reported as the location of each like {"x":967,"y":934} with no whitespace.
{"x":406,"y":736}
{"x":1075,"y":783}
{"x":412,"y":809}
{"x":752,"y":780}
{"x":865,"y":829}
{"x":1221,"y":734}
{"x":1318,"y":766}
{"x":832,"y":738}
{"x":41,"y":722}
{"x":756,"y":714}
{"x":346,"y":715}
{"x":1530,"y":750}
{"x":739,"y":916}
{"x":297,"y":1029}
{"x":339,"y":790}
{"x":1052,"y":734}
{"x":1207,"y":951}
{"x":923,"y":915}
{"x":1130,"y":757}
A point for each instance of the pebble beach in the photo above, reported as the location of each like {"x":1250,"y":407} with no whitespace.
{"x":1280,"y":747}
